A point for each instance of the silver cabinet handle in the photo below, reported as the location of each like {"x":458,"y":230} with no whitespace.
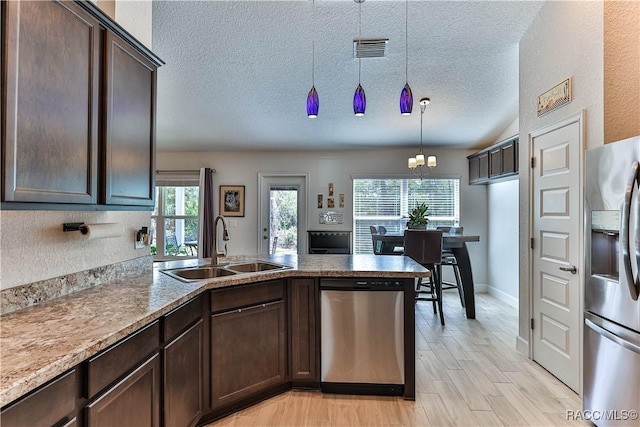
{"x":572,"y":269}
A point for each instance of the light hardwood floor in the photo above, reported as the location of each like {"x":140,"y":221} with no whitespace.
{"x":468,"y":373}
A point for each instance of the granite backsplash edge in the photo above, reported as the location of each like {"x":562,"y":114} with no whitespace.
{"x":19,"y":297}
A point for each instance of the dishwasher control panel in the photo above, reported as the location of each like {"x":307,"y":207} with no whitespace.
{"x":373,"y":284}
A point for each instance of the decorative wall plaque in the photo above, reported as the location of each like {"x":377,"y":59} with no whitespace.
{"x":330,"y":217}
{"x":555,"y":97}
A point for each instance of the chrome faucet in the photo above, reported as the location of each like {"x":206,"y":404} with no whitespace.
{"x":225,"y":237}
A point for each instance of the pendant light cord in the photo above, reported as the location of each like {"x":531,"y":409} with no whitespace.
{"x":359,"y":35}
{"x":313,"y":46}
{"x":422,"y":108}
{"x":406,"y":40}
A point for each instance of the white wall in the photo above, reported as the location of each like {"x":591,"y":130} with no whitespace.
{"x":565,"y":40}
{"x":323,"y":167}
{"x":33,"y":246}
{"x":502,"y":232}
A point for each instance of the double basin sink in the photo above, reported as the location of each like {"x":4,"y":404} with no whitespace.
{"x":188,"y":274}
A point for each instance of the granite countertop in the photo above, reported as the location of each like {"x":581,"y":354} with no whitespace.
{"x":38,"y":343}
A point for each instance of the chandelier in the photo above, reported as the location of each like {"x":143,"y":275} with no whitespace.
{"x":417,"y":164}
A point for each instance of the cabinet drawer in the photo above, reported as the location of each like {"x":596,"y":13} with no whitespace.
{"x":244,"y":296}
{"x":133,"y":401}
{"x":177,"y":320}
{"x":114,"y":362}
{"x":48,"y":406}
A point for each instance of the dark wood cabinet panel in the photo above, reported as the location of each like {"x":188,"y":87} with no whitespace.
{"x":50,"y":405}
{"x":498,"y":162}
{"x":474,"y":169}
{"x":495,"y":162}
{"x":244,"y":296}
{"x":134,"y":401}
{"x":129,"y":140}
{"x":51,"y":69}
{"x":483,"y":166}
{"x":304,"y":334}
{"x":184,"y":378}
{"x":114,"y":362}
{"x":510,"y":158}
{"x":180,"y":318}
{"x":248,"y":351}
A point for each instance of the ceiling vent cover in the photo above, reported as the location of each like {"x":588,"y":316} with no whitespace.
{"x":370,"y":48}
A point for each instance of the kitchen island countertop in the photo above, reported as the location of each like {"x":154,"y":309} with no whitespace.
{"x":40,"y":342}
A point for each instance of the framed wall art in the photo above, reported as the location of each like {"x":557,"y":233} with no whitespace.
{"x":232,"y":200}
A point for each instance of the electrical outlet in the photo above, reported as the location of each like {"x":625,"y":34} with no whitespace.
{"x":141,"y":238}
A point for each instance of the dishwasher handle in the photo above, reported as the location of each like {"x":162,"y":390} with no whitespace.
{"x":361,"y":285}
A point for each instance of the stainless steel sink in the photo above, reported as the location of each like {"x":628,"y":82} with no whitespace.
{"x":198,"y":273}
{"x":252,"y":267}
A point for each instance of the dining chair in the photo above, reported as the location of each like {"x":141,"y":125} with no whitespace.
{"x":425,"y":247}
{"x":382,"y":229}
{"x":373,"y":230}
{"x":449,"y":259}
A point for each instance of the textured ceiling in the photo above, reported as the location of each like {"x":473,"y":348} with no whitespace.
{"x":237,"y":73}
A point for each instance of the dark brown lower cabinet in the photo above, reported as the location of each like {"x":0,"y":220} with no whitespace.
{"x":303,"y":322}
{"x":184,"y":377}
{"x":248,"y":351}
{"x":133,"y":401}
{"x":52,"y":404}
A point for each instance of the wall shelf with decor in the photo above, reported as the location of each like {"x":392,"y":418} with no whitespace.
{"x":496,"y":163}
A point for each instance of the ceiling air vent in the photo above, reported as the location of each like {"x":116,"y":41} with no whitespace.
{"x":370,"y":48}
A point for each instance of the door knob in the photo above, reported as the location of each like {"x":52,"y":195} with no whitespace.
{"x":572,"y":269}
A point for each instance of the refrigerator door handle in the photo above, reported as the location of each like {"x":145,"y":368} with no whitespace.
{"x":616,"y":339}
{"x":624,"y":231}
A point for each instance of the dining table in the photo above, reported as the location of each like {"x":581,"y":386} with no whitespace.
{"x":392,"y":244}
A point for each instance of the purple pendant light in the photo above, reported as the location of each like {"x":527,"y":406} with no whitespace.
{"x":406,"y":97}
{"x":359,"y":101}
{"x":313,"y":102}
{"x":359,"y":98}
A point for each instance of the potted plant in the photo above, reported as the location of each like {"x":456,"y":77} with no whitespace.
{"x":418,"y":217}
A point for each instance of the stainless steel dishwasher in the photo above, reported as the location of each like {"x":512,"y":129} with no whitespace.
{"x":362,"y":336}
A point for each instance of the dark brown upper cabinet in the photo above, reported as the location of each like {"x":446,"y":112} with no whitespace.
{"x":129,"y":139}
{"x":51,"y":67}
{"x":497,"y":162}
{"x":78,"y":110}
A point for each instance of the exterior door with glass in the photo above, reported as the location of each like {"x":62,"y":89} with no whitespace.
{"x":282,"y":218}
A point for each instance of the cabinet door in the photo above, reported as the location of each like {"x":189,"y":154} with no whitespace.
{"x":509,"y":158}
{"x":129,"y":140}
{"x":184,"y":377}
{"x":483,"y":166}
{"x":51,"y":70}
{"x":474,"y":169}
{"x":134,"y":401}
{"x":248,"y":352}
{"x":495,"y":162}
{"x":304,"y":334}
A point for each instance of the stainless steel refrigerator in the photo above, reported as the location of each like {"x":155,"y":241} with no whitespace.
{"x":611,"y":377}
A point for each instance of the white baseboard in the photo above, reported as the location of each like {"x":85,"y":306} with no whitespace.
{"x":502,"y":296}
{"x":480,"y":288}
{"x":522,"y":346}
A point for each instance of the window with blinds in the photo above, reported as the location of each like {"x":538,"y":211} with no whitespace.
{"x":174,"y":221}
{"x":387,"y":202}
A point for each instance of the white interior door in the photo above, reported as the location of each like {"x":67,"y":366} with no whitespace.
{"x":557,"y":252}
{"x":282,"y":224}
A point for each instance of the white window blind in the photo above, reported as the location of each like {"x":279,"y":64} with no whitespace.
{"x":387,"y":202}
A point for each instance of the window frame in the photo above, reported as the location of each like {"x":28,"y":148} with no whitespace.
{"x":396,"y":223}
{"x":173,"y":179}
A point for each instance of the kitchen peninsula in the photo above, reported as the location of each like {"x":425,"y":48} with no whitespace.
{"x":104,"y":342}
